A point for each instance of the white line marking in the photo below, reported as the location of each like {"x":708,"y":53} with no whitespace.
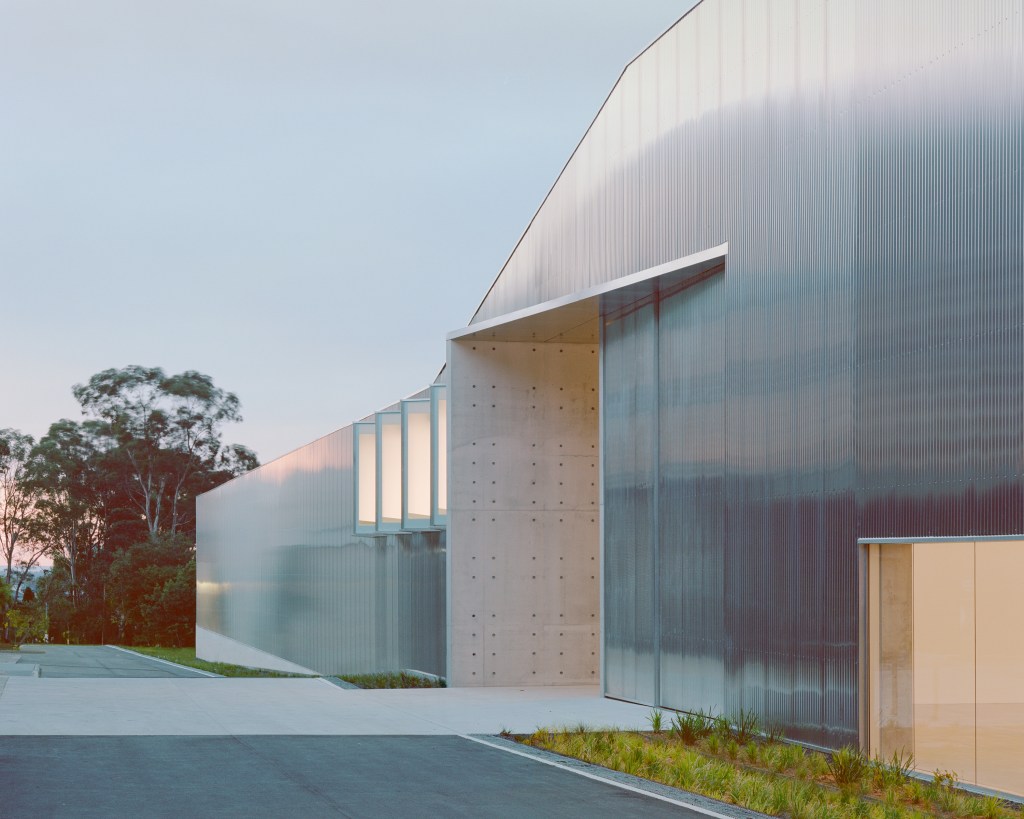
{"x":168,"y":662}
{"x":622,"y":785}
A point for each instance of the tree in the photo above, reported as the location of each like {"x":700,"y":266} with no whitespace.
{"x":6,"y":604}
{"x":151,"y":591}
{"x":17,"y":503}
{"x":113,"y":503}
{"x":69,"y":507}
{"x":166,"y":433}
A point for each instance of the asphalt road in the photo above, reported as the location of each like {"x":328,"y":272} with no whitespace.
{"x":303,"y":776}
{"x":96,"y":661}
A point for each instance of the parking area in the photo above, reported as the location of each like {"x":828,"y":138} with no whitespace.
{"x":61,"y":661}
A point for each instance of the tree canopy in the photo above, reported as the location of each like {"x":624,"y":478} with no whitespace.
{"x":111,"y":500}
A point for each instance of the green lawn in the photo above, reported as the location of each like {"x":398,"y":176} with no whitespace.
{"x":187,"y":656}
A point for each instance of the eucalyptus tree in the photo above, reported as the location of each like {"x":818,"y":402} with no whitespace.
{"x":165,"y":438}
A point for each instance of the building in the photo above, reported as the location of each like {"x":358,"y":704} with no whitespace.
{"x":739,"y":425}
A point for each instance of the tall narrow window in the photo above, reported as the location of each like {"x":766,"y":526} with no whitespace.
{"x":364,"y":452}
{"x":389,"y":471}
{"x":416,"y":464}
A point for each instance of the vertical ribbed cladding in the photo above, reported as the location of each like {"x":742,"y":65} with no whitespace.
{"x":630,"y":420}
{"x":691,"y":498}
{"x":864,"y":164}
{"x":940,"y":292}
{"x":295,"y":581}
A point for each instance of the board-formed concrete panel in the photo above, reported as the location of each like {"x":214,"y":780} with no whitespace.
{"x":524,"y":526}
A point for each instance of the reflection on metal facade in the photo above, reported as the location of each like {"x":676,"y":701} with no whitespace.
{"x":280,"y":569}
{"x":855,"y":372}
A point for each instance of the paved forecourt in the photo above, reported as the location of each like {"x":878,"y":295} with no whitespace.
{"x":243,"y":747}
{"x":212,"y":706}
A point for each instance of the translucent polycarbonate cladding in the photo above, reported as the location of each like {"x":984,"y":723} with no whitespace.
{"x":863,"y":163}
{"x":417,"y":468}
{"x":389,"y":471}
{"x":365,"y":460}
{"x":630,"y":505}
{"x":280,"y":568}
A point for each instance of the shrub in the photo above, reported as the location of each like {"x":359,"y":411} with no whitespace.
{"x":848,"y":767}
{"x":692,"y":727}
{"x":752,"y":752}
{"x":743,"y":727}
{"x":892,"y":772}
{"x":746,"y":726}
{"x":773,"y":732}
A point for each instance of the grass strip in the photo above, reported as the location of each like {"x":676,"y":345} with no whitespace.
{"x":187,"y":656}
{"x":772,"y":776}
{"x":392,"y":679}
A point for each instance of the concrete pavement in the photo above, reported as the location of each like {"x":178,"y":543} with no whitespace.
{"x":147,"y":739}
{"x":229,"y":706}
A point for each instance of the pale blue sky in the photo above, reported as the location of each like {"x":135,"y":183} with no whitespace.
{"x":299,"y":198}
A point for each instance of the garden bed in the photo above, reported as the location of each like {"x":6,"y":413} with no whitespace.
{"x":734,"y":761}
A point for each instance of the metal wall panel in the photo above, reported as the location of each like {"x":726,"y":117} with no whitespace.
{"x":863,"y":162}
{"x":280,"y":569}
{"x":630,"y":376}
{"x":691,"y":496}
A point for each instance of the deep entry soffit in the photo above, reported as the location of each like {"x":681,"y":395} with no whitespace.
{"x":575,"y":318}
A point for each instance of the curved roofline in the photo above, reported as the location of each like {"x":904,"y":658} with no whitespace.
{"x":554,"y":184}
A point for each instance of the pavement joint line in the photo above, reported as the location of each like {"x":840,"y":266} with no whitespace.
{"x":615,"y":783}
{"x":168,"y":662}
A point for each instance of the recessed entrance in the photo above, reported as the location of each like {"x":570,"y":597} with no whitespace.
{"x":524,"y":533}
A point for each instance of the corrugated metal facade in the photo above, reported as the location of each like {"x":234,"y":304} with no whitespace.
{"x":280,"y":569}
{"x":855,"y":372}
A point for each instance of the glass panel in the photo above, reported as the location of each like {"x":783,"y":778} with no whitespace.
{"x":892,"y":567}
{"x":1000,"y":665}
{"x":416,"y":471}
{"x":439,"y":449}
{"x":944,"y":693}
{"x":365,"y":461}
{"x":389,"y":471}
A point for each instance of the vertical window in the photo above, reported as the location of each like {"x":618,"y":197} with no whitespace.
{"x":389,"y":471}
{"x":416,"y":464}
{"x":364,"y":468}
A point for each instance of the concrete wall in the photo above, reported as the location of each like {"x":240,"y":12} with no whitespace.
{"x":523,"y":530}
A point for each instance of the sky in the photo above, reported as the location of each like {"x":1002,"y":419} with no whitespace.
{"x":299,"y":198}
